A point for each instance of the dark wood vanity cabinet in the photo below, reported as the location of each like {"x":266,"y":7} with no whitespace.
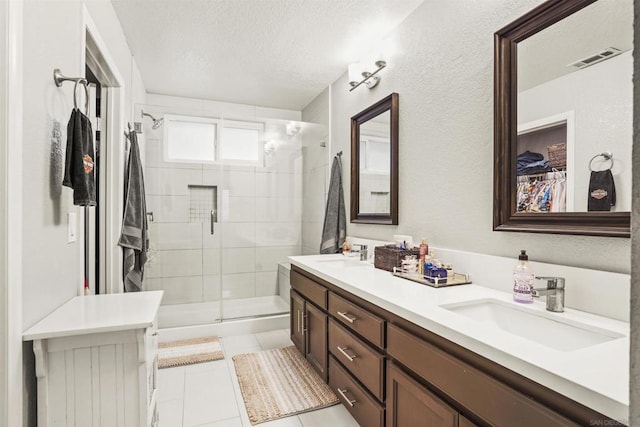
{"x":308,"y":321}
{"x":315,"y":329}
{"x":411,"y":404}
{"x":389,"y":371}
{"x":295,"y":323}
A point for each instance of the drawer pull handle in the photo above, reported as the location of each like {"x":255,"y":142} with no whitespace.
{"x":347,"y":355}
{"x":344,"y":396}
{"x":155,"y":334}
{"x":347,"y":317}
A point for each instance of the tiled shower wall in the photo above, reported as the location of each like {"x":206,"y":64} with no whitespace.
{"x":259,"y":213}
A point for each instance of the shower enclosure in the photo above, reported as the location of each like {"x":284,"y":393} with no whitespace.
{"x":225,"y":202}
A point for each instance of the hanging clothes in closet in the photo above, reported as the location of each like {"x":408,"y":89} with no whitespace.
{"x":546,"y":192}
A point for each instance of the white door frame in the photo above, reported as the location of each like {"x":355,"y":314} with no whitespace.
{"x":11,"y":123}
{"x":113,"y":152}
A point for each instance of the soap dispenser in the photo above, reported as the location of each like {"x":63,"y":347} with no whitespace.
{"x":523,"y":280}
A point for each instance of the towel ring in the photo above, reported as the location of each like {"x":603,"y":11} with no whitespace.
{"x":607,"y":156}
{"x":86,"y":95}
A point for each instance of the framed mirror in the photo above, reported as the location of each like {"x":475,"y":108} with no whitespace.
{"x":563,"y":119}
{"x":374,"y":163}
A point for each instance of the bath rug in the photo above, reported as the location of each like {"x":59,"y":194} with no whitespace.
{"x":279,"y":383}
{"x":187,"y":352}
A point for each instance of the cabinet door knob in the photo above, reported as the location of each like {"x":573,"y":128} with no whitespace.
{"x":347,"y":355}
{"x":344,"y":396}
{"x":155,"y":334}
{"x":347,"y":317}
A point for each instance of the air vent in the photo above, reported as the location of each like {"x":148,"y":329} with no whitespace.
{"x":607,"y":53}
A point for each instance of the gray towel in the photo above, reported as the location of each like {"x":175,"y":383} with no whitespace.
{"x":134,"y":238}
{"x":334,"y":231}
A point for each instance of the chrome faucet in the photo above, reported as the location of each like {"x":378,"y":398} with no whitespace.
{"x":554,"y":293}
{"x":364,"y":251}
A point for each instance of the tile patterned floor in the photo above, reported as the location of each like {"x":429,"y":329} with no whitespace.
{"x":208,"y":394}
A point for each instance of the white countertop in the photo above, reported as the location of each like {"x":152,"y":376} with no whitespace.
{"x":98,"y":313}
{"x":596,"y":376}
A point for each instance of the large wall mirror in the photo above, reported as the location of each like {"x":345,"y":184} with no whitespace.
{"x":374,"y":163}
{"x":563,"y":119}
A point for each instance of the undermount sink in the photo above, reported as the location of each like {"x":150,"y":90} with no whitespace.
{"x":548,"y":329}
{"x":343,"y":263}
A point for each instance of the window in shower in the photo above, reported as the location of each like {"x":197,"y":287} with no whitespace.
{"x":208,"y":140}
{"x":242,"y":142}
{"x":190,"y":139}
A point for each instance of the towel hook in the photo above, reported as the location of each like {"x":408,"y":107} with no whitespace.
{"x":608,"y":156}
{"x":60,"y":78}
{"x":86,"y":96}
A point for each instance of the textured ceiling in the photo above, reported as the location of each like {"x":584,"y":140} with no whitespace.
{"x":275,"y":53}
{"x":545,"y":56}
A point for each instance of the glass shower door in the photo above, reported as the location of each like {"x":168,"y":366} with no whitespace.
{"x":183,"y":198}
{"x":261,"y":214}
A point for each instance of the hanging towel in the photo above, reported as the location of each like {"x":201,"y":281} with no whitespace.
{"x":79,"y":174}
{"x":334,"y":231}
{"x":134,"y":238}
{"x":602,"y":191}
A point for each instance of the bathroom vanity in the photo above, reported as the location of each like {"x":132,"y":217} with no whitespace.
{"x":398,"y":353}
{"x":96,"y":361}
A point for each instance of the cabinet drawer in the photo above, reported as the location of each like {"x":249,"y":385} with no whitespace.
{"x":362,"y":407}
{"x":311,"y":290}
{"x":492,"y":401}
{"x":366,"y":324}
{"x":362,"y":361}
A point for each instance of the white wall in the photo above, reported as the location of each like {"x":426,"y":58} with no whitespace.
{"x":53,"y":38}
{"x":442,"y":69}
{"x":259,"y":210}
{"x":602,"y":98}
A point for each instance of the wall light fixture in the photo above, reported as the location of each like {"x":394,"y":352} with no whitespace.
{"x":369,"y":79}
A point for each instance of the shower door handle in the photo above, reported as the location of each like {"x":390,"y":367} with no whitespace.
{"x":213,"y":220}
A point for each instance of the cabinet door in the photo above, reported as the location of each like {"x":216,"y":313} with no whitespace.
{"x":409,"y":404}
{"x":315,"y":326}
{"x":464,"y":422}
{"x":297,"y":317}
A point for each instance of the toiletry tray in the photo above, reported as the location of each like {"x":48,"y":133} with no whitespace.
{"x":435,"y":282}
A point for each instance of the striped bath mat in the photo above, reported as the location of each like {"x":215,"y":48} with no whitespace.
{"x":186,"y":352}
{"x":279,"y":383}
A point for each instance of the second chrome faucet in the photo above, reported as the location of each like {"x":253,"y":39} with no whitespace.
{"x":554,"y":293}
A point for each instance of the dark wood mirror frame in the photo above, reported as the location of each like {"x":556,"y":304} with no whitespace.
{"x":505,"y":217}
{"x":390,"y":103}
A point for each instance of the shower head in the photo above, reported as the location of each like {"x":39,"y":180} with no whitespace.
{"x":156,"y":122}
